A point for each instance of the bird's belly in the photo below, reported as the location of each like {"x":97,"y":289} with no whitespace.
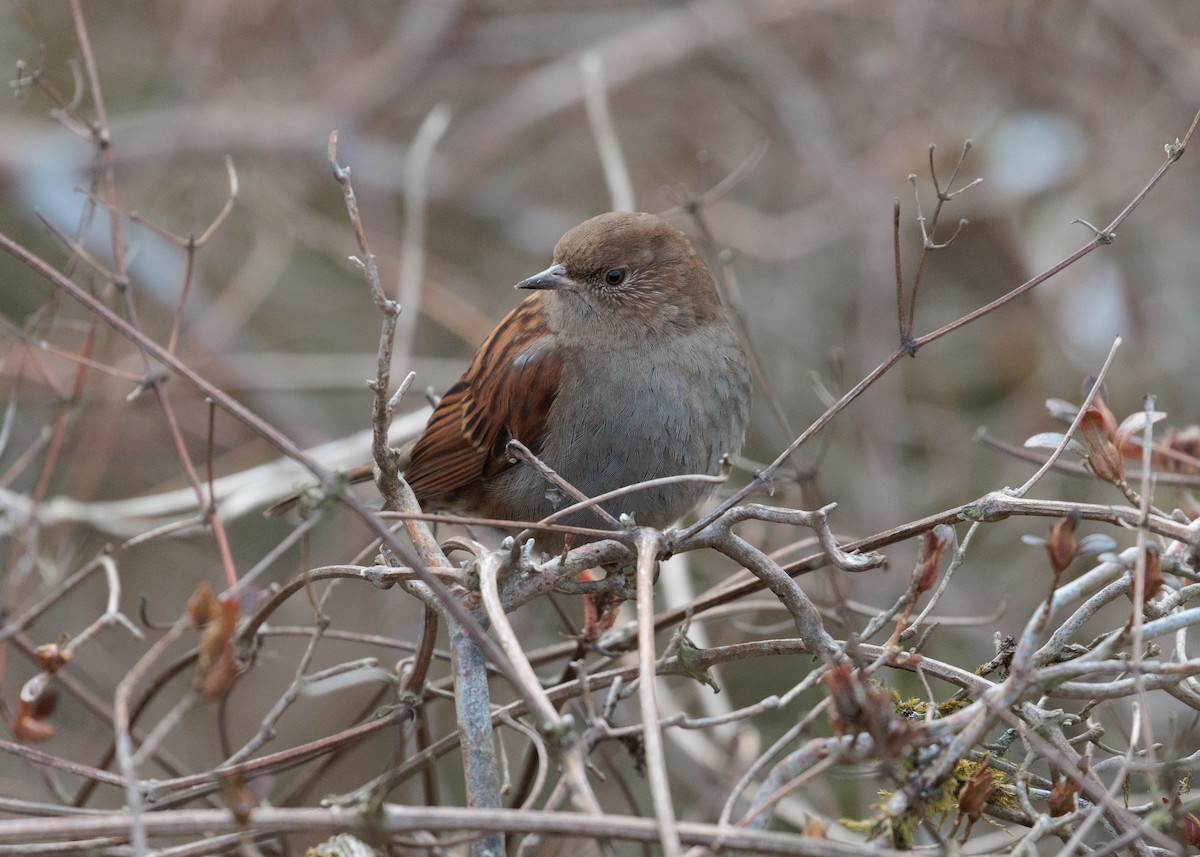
{"x":636,"y":425}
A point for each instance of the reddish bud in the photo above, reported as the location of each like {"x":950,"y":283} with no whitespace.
{"x":51,"y":657}
{"x":1189,"y":826}
{"x":216,"y":666}
{"x":35,"y":703}
{"x":44,"y":705}
{"x":28,"y":728}
{"x":1062,"y":795}
{"x":220,"y":676}
{"x":1151,"y":572}
{"x":862,"y":706}
{"x":1061,"y":546}
{"x":1100,"y":405}
{"x":200,"y":605}
{"x":974,"y":794}
{"x":218,"y":631}
{"x":929,"y":558}
{"x":1099,"y":437}
{"x":847,"y":700}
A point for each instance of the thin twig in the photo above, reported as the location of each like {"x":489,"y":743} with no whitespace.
{"x":656,"y":764}
{"x":616,"y":172}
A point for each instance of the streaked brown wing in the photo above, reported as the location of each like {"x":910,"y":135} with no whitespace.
{"x":505,"y":393}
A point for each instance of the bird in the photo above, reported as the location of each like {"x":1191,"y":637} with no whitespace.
{"x":619,"y":367}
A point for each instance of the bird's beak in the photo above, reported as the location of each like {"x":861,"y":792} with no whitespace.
{"x":554,"y":277}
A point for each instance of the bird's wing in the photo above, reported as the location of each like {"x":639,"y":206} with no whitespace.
{"x":505,"y":394}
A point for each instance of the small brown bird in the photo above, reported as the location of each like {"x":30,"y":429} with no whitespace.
{"x":619,"y":368}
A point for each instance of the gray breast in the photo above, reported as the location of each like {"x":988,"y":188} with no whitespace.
{"x":645,"y":412}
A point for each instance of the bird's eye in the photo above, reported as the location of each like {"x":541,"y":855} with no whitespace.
{"x":615,"y":277}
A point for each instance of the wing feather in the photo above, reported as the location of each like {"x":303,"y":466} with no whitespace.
{"x":506,"y":393}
